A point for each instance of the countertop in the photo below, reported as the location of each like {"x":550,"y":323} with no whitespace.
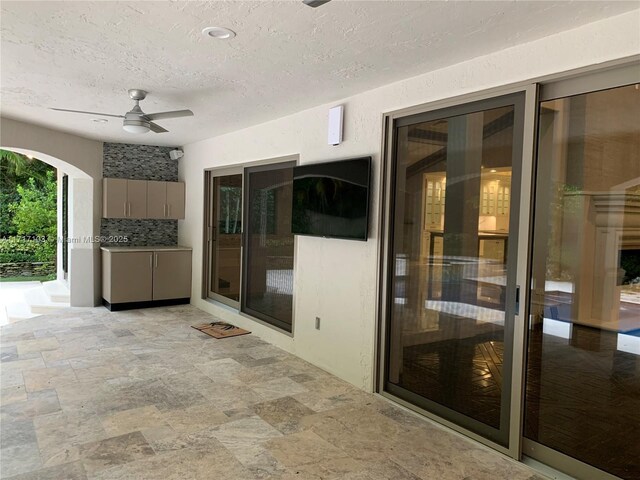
{"x":150,"y":248}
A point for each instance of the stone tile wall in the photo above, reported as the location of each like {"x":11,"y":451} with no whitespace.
{"x":27,"y":269}
{"x":138,"y":162}
{"x":130,"y":232}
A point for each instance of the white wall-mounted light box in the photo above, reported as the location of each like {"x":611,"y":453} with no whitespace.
{"x":335,"y":125}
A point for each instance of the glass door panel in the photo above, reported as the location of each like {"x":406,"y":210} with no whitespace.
{"x":268,"y":252}
{"x":226,"y":237}
{"x":65,"y":225}
{"x":453,"y":273}
{"x":583,"y":370}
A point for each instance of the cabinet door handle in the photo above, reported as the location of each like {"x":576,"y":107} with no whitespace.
{"x":151,"y":261}
{"x":156,"y":255}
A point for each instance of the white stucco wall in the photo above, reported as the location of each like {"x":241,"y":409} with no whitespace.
{"x":336,"y":279}
{"x":81,"y":159}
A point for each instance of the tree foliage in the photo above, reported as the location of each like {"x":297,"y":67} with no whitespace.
{"x":16,"y":169}
{"x":27,"y":208}
{"x":35,"y":213}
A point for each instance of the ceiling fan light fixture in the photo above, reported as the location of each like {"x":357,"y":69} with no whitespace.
{"x":135,"y":120}
{"x":219,"y":33}
{"x":315,"y":3}
{"x":135,"y":127}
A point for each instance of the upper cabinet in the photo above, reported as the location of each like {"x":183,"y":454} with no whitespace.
{"x":124,"y":198}
{"x":137,"y":198}
{"x":114,"y":198}
{"x":156,"y":199}
{"x":175,"y":200}
{"x":165,"y":200}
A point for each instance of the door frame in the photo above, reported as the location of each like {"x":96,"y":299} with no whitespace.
{"x":208,"y":234}
{"x":580,"y":80}
{"x":525,"y":169}
{"x":240,"y":168}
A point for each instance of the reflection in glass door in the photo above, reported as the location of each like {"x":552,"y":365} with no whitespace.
{"x":452,"y":271}
{"x":583,"y":370}
{"x":226,"y":238}
{"x":269,"y":245}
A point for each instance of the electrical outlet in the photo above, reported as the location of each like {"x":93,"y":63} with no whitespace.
{"x":317,"y":323}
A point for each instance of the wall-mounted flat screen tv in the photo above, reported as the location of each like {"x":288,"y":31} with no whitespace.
{"x":331,"y":199}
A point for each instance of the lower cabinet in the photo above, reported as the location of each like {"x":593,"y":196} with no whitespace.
{"x":127,"y":277}
{"x":135,"y":279}
{"x":171,"y":275}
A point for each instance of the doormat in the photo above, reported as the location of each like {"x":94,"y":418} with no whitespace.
{"x":220,"y":329}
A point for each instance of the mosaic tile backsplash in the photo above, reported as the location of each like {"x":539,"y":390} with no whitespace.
{"x":131,"y":232}
{"x":138,"y":162}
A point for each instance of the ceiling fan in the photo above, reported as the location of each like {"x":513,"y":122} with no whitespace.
{"x":135,"y":120}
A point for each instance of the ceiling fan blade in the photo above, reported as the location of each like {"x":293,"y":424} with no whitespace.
{"x":155,"y":128}
{"x":174,"y":114}
{"x":87,"y":113}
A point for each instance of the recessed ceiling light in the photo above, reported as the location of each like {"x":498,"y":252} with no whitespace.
{"x":100,"y":120}
{"x":220,"y":33}
{"x":493,"y":170}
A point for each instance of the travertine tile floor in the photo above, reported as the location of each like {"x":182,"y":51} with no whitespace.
{"x":89,"y":394}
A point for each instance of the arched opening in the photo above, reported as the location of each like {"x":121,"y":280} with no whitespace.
{"x":28,"y":219}
{"x":75,"y":227}
{"x":81,"y":161}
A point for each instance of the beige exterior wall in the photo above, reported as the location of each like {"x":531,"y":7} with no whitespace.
{"x":336,"y":280}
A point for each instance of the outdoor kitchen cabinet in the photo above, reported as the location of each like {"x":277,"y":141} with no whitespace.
{"x":137,"y":277}
{"x":124,"y":198}
{"x":165,"y":200}
{"x":171,"y":274}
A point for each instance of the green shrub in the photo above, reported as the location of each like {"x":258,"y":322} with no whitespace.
{"x":16,"y":258}
{"x":23,"y":249}
{"x":46,"y":251}
{"x":17,"y":245}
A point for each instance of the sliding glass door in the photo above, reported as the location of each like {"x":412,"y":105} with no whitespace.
{"x":249,"y":247}
{"x":476,"y":200}
{"x":269,"y":245}
{"x":225,"y":238}
{"x":583,"y":369}
{"x":452,"y":290}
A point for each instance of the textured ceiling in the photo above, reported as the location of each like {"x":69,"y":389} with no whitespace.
{"x":285,"y":58}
